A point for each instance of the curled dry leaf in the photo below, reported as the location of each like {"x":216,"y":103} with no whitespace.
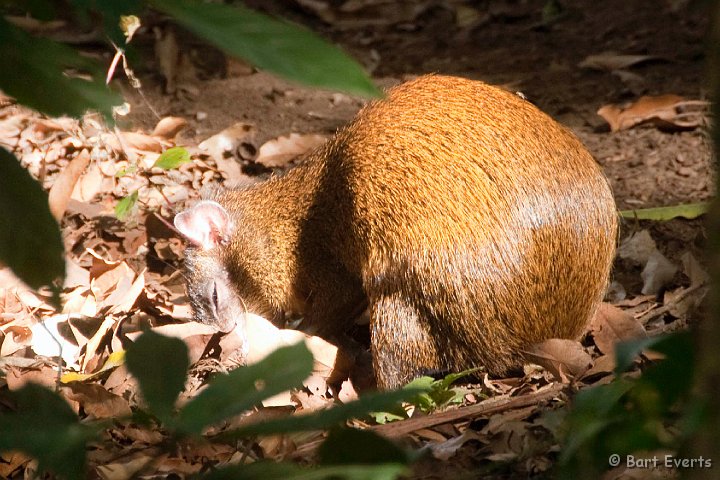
{"x":279,"y":152}
{"x":638,"y":247}
{"x":126,"y":293}
{"x":658,"y":273}
{"x":222,"y":146}
{"x":168,"y":127}
{"x":128,"y":468}
{"x":16,"y":337}
{"x":133,"y":140}
{"x":611,"y":325}
{"x":96,"y":401}
{"x":354,"y":14}
{"x":347,"y":392}
{"x":665,"y":111}
{"x":446,"y":449}
{"x":90,"y":184}
{"x":602,"y":366}
{"x":94,"y":358}
{"x":64,"y":185}
{"x":561,"y":357}
{"x":694,"y":271}
{"x":41,"y":374}
{"x":610,"y":61}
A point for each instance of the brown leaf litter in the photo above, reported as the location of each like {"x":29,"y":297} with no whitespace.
{"x":124,"y":277}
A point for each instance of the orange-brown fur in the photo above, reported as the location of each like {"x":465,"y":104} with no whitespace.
{"x":471,"y":223}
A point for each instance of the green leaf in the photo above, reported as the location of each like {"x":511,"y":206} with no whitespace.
{"x":347,"y":446}
{"x":125,"y":206}
{"x":689,"y":211}
{"x":45,"y":427}
{"x":126,"y":171}
{"x":331,"y":417}
{"x":386,"y":417}
{"x":451,"y":378}
{"x":30,"y":241}
{"x":280,"y":47}
{"x":172,"y":158}
{"x":33,"y":71}
{"x":288,"y":471}
{"x":672,"y":377}
{"x":160,"y":365}
{"x":591,"y":415}
{"x":626,"y":352}
{"x":245,"y":387}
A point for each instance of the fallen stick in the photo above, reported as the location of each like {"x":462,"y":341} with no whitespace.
{"x":487,"y":407}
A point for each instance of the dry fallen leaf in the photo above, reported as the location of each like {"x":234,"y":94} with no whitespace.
{"x":637,"y":247}
{"x":64,"y":185}
{"x":665,"y":111}
{"x":446,"y":449}
{"x":347,"y":392}
{"x":168,"y":127}
{"x":611,"y":325}
{"x":561,"y":357}
{"x":613,"y":61}
{"x":602,"y":366}
{"x":90,"y":184}
{"x":96,"y":401}
{"x":133,"y":140}
{"x":658,"y":272}
{"x":279,"y":152}
{"x":128,"y":468}
{"x":694,"y":270}
{"x":353,"y":14}
{"x":223,"y":146}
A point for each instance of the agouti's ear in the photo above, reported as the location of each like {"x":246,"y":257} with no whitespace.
{"x":207,"y":224}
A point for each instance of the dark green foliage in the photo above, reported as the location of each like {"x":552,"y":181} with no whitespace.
{"x":35,"y":69}
{"x":109,"y":11}
{"x":33,"y":72}
{"x":243,"y":388}
{"x":45,"y":427}
{"x":432,"y":394}
{"x":160,"y":365}
{"x":30,"y":242}
{"x":287,"y":471}
{"x":632,"y":415}
{"x":277,"y":46}
{"x":328,"y":418}
{"x":350,"y":446}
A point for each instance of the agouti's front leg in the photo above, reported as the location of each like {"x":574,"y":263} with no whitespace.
{"x":402,"y":346}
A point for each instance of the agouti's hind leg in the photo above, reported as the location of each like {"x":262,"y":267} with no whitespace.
{"x":402,"y":346}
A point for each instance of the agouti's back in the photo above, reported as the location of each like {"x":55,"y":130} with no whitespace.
{"x":471,"y":223}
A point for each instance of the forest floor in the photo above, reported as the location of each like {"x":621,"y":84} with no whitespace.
{"x":595,"y":55}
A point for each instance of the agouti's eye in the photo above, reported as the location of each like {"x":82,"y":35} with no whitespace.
{"x":215,"y":296}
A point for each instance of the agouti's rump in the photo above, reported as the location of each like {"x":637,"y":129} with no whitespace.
{"x":471,"y":223}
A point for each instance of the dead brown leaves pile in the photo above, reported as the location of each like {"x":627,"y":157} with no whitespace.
{"x":123,"y":277}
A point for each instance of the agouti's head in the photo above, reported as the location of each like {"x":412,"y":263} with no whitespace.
{"x":221,"y":289}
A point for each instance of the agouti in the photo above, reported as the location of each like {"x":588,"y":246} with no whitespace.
{"x":469,"y":222}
